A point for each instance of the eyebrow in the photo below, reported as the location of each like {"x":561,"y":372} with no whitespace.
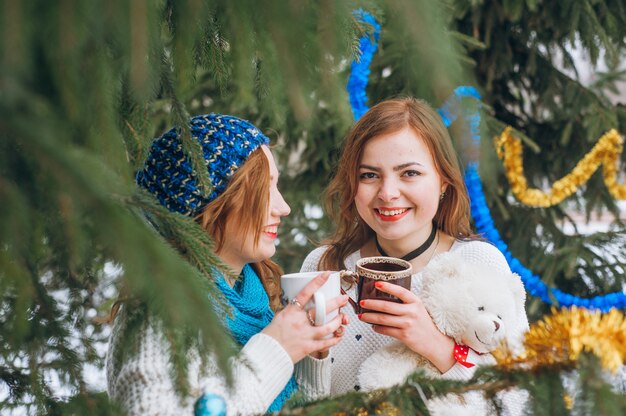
{"x":395,"y":168}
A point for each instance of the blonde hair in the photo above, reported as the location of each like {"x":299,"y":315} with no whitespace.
{"x":245,"y":200}
{"x":453,"y":214}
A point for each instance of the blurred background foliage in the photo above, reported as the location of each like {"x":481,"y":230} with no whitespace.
{"x":85,"y":87}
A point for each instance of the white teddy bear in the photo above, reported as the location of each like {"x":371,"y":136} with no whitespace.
{"x":471,"y":303}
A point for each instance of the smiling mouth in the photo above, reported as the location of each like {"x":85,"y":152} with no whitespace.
{"x":391,"y":214}
{"x":271,"y":231}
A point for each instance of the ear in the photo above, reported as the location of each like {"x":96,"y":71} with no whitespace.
{"x":444,"y":187}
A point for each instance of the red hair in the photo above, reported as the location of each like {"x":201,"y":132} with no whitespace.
{"x":453,"y":215}
{"x":246,"y":200}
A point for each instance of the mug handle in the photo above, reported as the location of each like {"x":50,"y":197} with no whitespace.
{"x":320,"y":308}
{"x":354,"y":276}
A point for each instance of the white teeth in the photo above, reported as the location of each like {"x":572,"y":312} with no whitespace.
{"x":273,"y":230}
{"x":393,"y":211}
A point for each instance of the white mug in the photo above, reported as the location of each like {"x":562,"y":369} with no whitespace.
{"x":292,"y":283}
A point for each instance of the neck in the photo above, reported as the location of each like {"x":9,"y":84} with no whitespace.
{"x":229,"y":277}
{"x":234,"y":268}
{"x":406,"y":251}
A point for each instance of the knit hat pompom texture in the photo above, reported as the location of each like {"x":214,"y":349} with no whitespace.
{"x":226,"y":142}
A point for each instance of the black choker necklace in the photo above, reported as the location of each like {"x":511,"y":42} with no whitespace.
{"x":413,"y":254}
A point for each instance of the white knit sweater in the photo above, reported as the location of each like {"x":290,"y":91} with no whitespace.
{"x":360,"y":341}
{"x":142,"y":383}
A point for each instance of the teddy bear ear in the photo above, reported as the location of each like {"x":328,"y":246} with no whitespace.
{"x":445,"y":265}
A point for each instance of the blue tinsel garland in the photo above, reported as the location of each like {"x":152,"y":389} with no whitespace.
{"x":360,"y":70}
{"x":449,"y":111}
{"x":534,"y":285}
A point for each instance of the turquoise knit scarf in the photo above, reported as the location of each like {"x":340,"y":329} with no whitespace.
{"x":250,"y":314}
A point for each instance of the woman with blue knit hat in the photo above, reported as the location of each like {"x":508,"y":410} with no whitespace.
{"x":242,"y":215}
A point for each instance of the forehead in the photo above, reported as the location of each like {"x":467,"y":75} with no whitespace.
{"x":404,"y":145}
{"x":270,"y":159}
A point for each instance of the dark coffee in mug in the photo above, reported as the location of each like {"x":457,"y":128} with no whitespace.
{"x":370,"y":270}
{"x":384,"y":267}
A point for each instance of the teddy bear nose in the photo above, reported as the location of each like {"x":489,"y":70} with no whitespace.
{"x":497,"y":325}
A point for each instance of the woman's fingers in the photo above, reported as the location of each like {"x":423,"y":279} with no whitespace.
{"x":332,"y":305}
{"x":336,"y":303}
{"x":293,"y":329}
{"x":329,"y":335}
{"x":339,"y":332}
{"x":307,"y":291}
{"x":388,"y":330}
{"x":384,"y":319}
{"x":329,"y":339}
{"x":329,"y":328}
{"x":401,"y":293}
{"x":383,"y":306}
{"x":326,"y":344}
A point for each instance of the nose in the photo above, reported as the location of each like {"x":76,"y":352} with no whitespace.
{"x":280,"y":208}
{"x":388,"y":190}
{"x":497,"y":325}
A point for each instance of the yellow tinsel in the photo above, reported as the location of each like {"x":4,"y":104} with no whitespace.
{"x":383,"y":409}
{"x":569,"y":402}
{"x":560,"y":338}
{"x":606,"y":152}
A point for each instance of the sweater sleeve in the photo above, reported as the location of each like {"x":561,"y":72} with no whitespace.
{"x":142,"y":383}
{"x":313,"y":377}
{"x":260,"y":373}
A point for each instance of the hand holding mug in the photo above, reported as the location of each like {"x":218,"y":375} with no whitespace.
{"x":291,"y":284}
{"x":292,"y":328}
{"x":410,"y":323}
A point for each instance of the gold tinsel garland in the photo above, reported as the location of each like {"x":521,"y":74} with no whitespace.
{"x":556,"y":340}
{"x":606,"y":152}
{"x":560,"y":338}
{"x":383,"y":409}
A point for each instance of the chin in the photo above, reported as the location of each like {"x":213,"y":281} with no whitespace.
{"x":390,"y":234}
{"x":266,"y":252}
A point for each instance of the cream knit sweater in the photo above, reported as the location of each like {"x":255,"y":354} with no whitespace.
{"x":142,"y":384}
{"x":360,"y":341}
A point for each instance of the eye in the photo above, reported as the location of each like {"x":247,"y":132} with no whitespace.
{"x":481,"y":308}
{"x":499,"y":317}
{"x":411,"y":173}
{"x":367,"y":175}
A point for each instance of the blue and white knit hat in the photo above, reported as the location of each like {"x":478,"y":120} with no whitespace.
{"x":226,"y":142}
